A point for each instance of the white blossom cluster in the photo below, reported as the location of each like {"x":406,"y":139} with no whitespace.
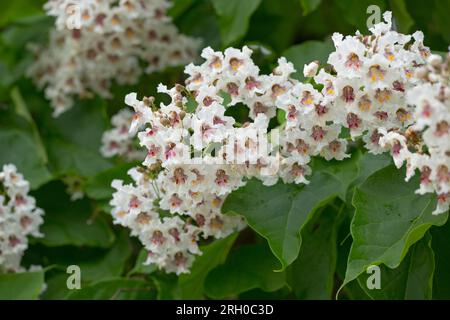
{"x":119,"y":141}
{"x":19,"y":218}
{"x":99,"y":41}
{"x":367,"y":90}
{"x":425,"y":146}
{"x":183,"y":184}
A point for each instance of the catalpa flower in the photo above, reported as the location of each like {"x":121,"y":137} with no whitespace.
{"x":197,"y":154}
{"x":98,"y":42}
{"x":19,"y":218}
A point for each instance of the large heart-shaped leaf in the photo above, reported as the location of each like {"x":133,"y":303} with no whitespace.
{"x":71,"y":223}
{"x":249,"y":267}
{"x":311,"y":276}
{"x":234,"y":16}
{"x":412,"y":280}
{"x":22,"y":147}
{"x":279,"y":212}
{"x":389,"y":218}
{"x":307,"y":52}
{"x":191,"y":285}
{"x":21,"y":286}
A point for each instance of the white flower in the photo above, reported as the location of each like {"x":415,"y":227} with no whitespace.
{"x":310,"y":70}
{"x":98,"y":42}
{"x":19,"y":218}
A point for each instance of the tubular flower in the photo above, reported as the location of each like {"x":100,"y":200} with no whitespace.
{"x":197,"y":154}
{"x":96,"y":42}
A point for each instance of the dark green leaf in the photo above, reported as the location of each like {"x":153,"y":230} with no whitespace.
{"x":389,"y":219}
{"x":249,"y":267}
{"x":70,"y":223}
{"x":21,"y":286}
{"x":309,"y":6}
{"x":234,"y":17}
{"x":279,"y":212}
{"x":307,"y":52}
{"x":412,"y":280}
{"x":311,"y":276}
{"x":440,"y":245}
{"x":99,"y":186}
{"x":191,"y":285}
{"x":401,"y":15}
{"x":20,"y":147}
{"x":355,"y":12}
{"x":139,"y":267}
{"x":116,"y":289}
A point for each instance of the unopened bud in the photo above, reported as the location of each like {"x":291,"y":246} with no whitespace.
{"x":310,"y":70}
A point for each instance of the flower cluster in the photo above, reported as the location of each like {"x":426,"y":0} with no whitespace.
{"x":96,"y":42}
{"x":119,"y":141}
{"x":425,"y":146}
{"x":197,"y":156}
{"x":197,"y":153}
{"x":19,"y":218}
{"x":366,"y":91}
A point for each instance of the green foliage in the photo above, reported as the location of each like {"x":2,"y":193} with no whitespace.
{"x":413,"y":278}
{"x":19,"y":9}
{"x":21,"y":286}
{"x":441,"y":284}
{"x":306,"y":52}
{"x":312,"y":274}
{"x":316,"y":240}
{"x":116,"y":289}
{"x":279,"y":212}
{"x":389,"y":219}
{"x":191,"y":286}
{"x":69,"y":223}
{"x":309,"y":5}
{"x":234,"y":17}
{"x":249,"y":267}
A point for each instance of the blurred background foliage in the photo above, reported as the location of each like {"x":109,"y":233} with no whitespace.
{"x":46,"y":150}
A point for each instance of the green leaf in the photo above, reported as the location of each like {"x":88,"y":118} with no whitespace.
{"x":279,"y":212}
{"x":191,"y":286}
{"x":95,"y":264}
{"x":21,"y":286}
{"x":369,"y":164}
{"x":191,"y":105}
{"x":412,"y":280}
{"x":401,"y":15}
{"x":249,"y":267}
{"x":440,"y":245}
{"x":99,"y":186}
{"x":179,"y":7}
{"x":21,"y":148}
{"x":116,"y":289}
{"x":139,"y":267}
{"x":309,"y":6}
{"x":389,"y":218}
{"x":307,"y":52}
{"x":70,"y":223}
{"x":73,"y":139}
{"x":440,"y":19}
{"x":109,"y":264}
{"x":11,"y":11}
{"x":355,"y":12}
{"x":234,"y":16}
{"x":346,"y":172}
{"x":311,"y":276}
{"x":200,"y":22}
